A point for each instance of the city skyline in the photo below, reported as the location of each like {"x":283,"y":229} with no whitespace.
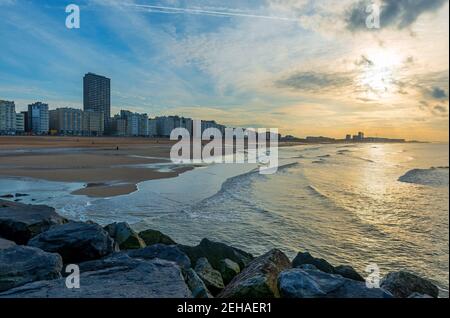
{"x":297,"y":74}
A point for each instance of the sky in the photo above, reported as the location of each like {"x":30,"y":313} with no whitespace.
{"x":305,"y":67}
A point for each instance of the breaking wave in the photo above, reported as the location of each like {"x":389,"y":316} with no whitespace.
{"x":435,"y":176}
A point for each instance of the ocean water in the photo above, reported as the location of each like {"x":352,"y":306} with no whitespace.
{"x":362,"y":204}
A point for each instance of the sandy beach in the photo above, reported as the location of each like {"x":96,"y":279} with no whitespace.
{"x":108,"y":166}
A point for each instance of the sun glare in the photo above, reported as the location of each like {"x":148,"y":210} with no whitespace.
{"x":377,"y":78}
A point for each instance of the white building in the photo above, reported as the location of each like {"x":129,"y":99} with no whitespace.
{"x":7,"y":117}
{"x":20,"y":123}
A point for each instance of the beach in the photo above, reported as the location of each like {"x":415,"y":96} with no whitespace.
{"x":108,"y":166}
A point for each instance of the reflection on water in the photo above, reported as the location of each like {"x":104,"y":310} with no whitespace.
{"x":349,"y":209}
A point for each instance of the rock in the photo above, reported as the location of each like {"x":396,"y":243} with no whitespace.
{"x":152,"y":237}
{"x":124,"y":236}
{"x":114,"y":260}
{"x":18,"y":195}
{"x":215,"y":252}
{"x":195,"y":284}
{"x":310,"y":283}
{"x":228,"y":269}
{"x":19,"y":222}
{"x":319,"y":263}
{"x":7,"y":196}
{"x":166,"y":252}
{"x":211,"y":277}
{"x":20,"y":265}
{"x":132,"y":279}
{"x":307,"y":266}
{"x":402,"y":284}
{"x":75,"y":242}
{"x":348,"y":272}
{"x":4,"y":244}
{"x":259,"y":279}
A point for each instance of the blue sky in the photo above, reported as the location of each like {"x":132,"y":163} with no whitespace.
{"x":306,"y":67}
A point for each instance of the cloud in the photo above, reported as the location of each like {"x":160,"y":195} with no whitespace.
{"x":440,"y":109}
{"x":438,"y":93}
{"x":314,"y":81}
{"x":436,"y":110}
{"x":393,"y":13}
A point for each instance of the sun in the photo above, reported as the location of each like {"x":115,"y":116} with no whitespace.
{"x":377,"y":77}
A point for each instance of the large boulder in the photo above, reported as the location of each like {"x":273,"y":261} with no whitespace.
{"x":348,"y":272}
{"x":228,"y":269}
{"x":75,"y":242}
{"x":305,"y":260}
{"x":312,"y":283}
{"x":124,"y":235}
{"x":127,"y":278}
{"x":20,"y":265}
{"x":319,"y":263}
{"x":211,"y":277}
{"x":167,"y":252}
{"x":196,"y":284}
{"x":403,"y":284}
{"x":216,"y":252}
{"x":152,"y":237}
{"x":259,"y":279}
{"x":20,"y":222}
{"x":4,"y":244}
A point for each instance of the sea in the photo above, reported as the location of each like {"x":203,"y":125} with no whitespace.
{"x":365,"y":205}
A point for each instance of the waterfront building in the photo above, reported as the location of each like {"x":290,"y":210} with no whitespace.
{"x":20,"y":123}
{"x":93,"y":123}
{"x":7,"y":117}
{"x":38,"y":118}
{"x":97,"y":95}
{"x":67,"y":121}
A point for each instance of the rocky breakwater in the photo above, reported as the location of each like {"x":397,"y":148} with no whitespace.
{"x":116,"y":262}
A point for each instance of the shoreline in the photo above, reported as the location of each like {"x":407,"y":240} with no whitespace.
{"x":107,"y":166}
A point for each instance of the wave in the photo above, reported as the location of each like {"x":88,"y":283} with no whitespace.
{"x":434,"y":176}
{"x":315,"y":191}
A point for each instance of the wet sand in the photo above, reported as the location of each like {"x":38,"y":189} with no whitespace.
{"x":108,"y":166}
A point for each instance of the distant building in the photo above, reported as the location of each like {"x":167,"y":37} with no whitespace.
{"x":67,"y":121}
{"x":25,"y":121}
{"x":348,"y":138}
{"x":20,"y":123}
{"x":7,"y":117}
{"x":97,"y":95}
{"x":119,"y":126}
{"x":163,"y":126}
{"x":143,"y":125}
{"x":152,"y":128}
{"x":93,"y":123}
{"x":319,"y":139}
{"x":130,"y":124}
{"x":38,"y":118}
{"x":212,"y":124}
{"x":360,"y":136}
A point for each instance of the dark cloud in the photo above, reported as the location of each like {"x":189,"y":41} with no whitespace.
{"x":393,"y":13}
{"x":438,"y":93}
{"x":312,"y":81}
